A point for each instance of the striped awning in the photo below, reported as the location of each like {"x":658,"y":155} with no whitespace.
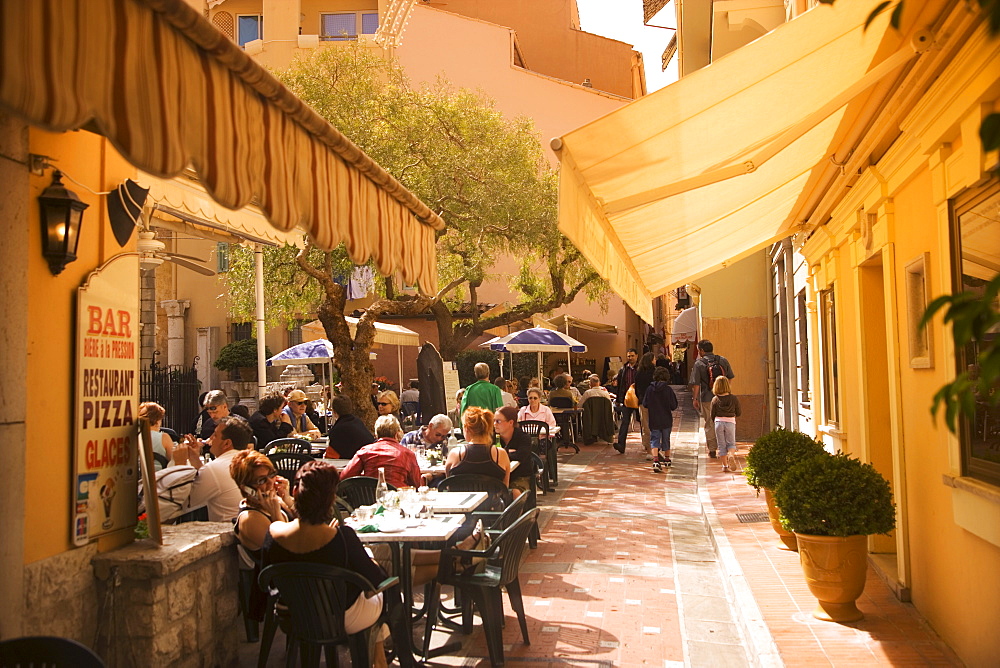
{"x":169,"y":91}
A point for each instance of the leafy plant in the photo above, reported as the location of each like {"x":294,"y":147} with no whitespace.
{"x":834,"y":495}
{"x":237,"y":354}
{"x":774,"y":453}
{"x":466,"y":362}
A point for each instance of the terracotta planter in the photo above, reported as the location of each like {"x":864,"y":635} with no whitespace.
{"x":786,"y":537}
{"x":835,"y":570}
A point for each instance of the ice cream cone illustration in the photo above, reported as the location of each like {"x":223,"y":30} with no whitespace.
{"x":107,"y":495}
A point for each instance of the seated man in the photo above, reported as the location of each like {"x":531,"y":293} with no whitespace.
{"x":217,"y":406}
{"x":298,"y":404}
{"x":595,"y":389}
{"x":270,"y":423}
{"x":561,"y":384}
{"x":431,"y":435}
{"x":400,"y":464}
{"x":214,"y":487}
{"x":347,"y":432}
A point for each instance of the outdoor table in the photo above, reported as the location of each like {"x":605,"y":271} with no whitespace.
{"x":435,"y":530}
{"x":455,"y":502}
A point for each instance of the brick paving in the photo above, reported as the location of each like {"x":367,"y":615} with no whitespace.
{"x":643,"y":569}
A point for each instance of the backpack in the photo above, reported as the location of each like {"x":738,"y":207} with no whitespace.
{"x":173,"y":491}
{"x":715,"y":370}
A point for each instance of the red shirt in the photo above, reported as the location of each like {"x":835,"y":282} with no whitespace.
{"x":400,"y":464}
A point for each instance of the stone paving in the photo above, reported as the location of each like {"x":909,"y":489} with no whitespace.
{"x":644,"y":569}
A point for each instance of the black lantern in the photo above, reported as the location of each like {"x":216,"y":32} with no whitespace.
{"x":62,"y":214}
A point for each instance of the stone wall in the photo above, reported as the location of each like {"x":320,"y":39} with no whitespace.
{"x":61,"y":597}
{"x":174,"y":605}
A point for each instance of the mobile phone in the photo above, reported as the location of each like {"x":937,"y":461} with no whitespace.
{"x":250,"y":492}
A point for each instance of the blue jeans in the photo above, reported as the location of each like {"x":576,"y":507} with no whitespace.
{"x":725,"y":434}
{"x":659,"y":439}
{"x":627,"y":414}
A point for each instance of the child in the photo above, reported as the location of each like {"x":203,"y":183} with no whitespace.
{"x":725,"y":410}
{"x":659,"y":401}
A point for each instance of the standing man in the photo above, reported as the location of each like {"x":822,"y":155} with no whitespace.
{"x":481,"y":393}
{"x":706,"y":369}
{"x":624,"y":379}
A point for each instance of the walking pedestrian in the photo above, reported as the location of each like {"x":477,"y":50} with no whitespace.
{"x":725,"y":410}
{"x":659,"y":402}
{"x":706,"y":369}
{"x":643,"y":379}
{"x":624,"y":380}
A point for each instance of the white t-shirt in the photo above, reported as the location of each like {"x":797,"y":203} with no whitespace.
{"x":216,"y":489}
{"x":508,"y":399}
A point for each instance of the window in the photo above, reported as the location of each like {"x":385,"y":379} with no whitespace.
{"x":918,"y":337}
{"x":248,"y":28}
{"x":344,"y":26}
{"x":802,"y":327}
{"x":222,"y":257}
{"x":976,"y":253}
{"x":295,"y":334}
{"x":828,"y":329}
{"x":242,"y":331}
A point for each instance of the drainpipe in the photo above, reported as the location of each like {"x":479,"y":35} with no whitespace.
{"x":258,"y":259}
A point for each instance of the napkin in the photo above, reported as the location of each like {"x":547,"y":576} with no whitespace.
{"x":368,"y":528}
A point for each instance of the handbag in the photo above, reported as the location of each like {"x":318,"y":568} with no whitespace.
{"x":472,"y":565}
{"x":631,"y":399}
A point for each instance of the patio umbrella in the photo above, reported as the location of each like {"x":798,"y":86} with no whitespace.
{"x":536,"y":340}
{"x":319,"y":351}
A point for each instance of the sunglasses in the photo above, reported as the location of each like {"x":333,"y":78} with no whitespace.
{"x":299,"y":403}
{"x":270,"y":476}
{"x":384,"y":403}
{"x":212,"y":409}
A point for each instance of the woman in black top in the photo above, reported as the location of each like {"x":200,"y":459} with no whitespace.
{"x":518,"y":446}
{"x":478,"y":455}
{"x":314,"y":538}
{"x":643,"y":379}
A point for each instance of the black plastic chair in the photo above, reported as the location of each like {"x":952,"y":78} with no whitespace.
{"x":566,"y":421}
{"x":295,"y":445}
{"x":359,"y":490}
{"x":171,"y":433}
{"x":50,"y":651}
{"x":161,"y":460}
{"x":502,"y":569}
{"x":496,"y":522}
{"x":316,"y":597}
{"x":538,"y":431}
{"x":287,"y":464}
{"x":499,"y":497}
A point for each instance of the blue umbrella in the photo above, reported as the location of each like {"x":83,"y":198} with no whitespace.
{"x":537,"y":340}
{"x":319,"y":351}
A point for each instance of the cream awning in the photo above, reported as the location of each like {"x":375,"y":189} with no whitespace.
{"x":386,"y":334}
{"x":685,"y":327}
{"x":560,"y":322}
{"x":698,"y":174}
{"x":169,"y":91}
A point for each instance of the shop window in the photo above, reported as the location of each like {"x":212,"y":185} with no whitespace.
{"x":346,"y":26}
{"x":918,"y":338}
{"x":976,"y":260}
{"x":831,"y":381}
{"x":248,"y":28}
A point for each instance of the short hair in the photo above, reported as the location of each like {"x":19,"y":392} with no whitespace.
{"x":661,"y":373}
{"x":414,"y":384}
{"x":391,"y":397}
{"x":152,"y":411}
{"x":631,"y":350}
{"x":482,"y":370}
{"x":500,"y":382}
{"x":215,"y":398}
{"x":705,"y":346}
{"x":236,"y":429}
{"x":594,"y":379}
{"x":387,"y":426}
{"x":509,"y":413}
{"x":241,"y":469}
{"x":478,"y":421}
{"x":342,"y":405}
{"x":441,"y":420}
{"x":535,"y":390}
{"x":523,"y":382}
{"x":271,"y":403}
{"x":241,"y":410}
{"x":315,"y":489}
{"x":560,"y":381}
{"x":721,"y":386}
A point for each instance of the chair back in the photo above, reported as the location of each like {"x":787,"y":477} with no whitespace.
{"x":297,"y":445}
{"x":534,"y":428}
{"x":161,"y":460}
{"x":512,"y":544}
{"x":317,"y":597}
{"x":499,"y":497}
{"x":561,"y":402}
{"x":47,"y":651}
{"x":287,"y":464}
{"x":514,"y":510}
{"x":359,"y":490}
{"x":171,"y":433}
{"x":408,"y":408}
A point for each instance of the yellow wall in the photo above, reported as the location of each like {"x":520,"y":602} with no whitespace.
{"x":51,"y":336}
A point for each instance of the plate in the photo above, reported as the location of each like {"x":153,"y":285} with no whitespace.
{"x":391,"y":528}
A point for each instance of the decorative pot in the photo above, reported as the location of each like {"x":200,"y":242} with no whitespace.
{"x":835,"y":568}
{"x":786,"y":537}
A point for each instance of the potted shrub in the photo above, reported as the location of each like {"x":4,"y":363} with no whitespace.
{"x":240,"y":355}
{"x":767,"y":462}
{"x":833,"y":503}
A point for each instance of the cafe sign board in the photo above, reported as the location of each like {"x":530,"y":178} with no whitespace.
{"x":106,"y":466}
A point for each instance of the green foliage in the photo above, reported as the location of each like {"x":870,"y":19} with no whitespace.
{"x":467,"y":359}
{"x":774,"y":453}
{"x":239,"y":354}
{"x":834,"y":495}
{"x":974,"y":320}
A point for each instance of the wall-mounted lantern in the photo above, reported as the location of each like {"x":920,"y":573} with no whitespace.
{"x":61,"y":216}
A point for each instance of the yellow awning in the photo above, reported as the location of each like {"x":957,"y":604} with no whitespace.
{"x":698,"y":174}
{"x":386,"y":334}
{"x":169,"y":91}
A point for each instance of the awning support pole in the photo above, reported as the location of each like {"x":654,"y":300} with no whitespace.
{"x":258,"y":258}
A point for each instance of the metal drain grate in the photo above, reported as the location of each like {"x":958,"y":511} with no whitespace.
{"x":749,"y":518}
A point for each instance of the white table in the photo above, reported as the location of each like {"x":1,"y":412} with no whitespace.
{"x":455,"y":502}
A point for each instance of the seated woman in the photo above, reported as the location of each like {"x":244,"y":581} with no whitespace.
{"x":478,"y":455}
{"x":315,"y":538}
{"x":535,"y":410}
{"x":562,"y":389}
{"x":518,"y":446}
{"x":162,"y":443}
{"x":388,"y":404}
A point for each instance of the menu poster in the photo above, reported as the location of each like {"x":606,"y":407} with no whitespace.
{"x":106,"y":467}
{"x":451,"y":383}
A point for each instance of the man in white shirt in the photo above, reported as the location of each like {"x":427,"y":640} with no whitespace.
{"x":595,"y":389}
{"x":412,"y":393}
{"x":214,"y":488}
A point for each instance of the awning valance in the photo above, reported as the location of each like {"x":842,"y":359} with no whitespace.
{"x":698,"y":174}
{"x":169,"y":91}
{"x":385,"y":333}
